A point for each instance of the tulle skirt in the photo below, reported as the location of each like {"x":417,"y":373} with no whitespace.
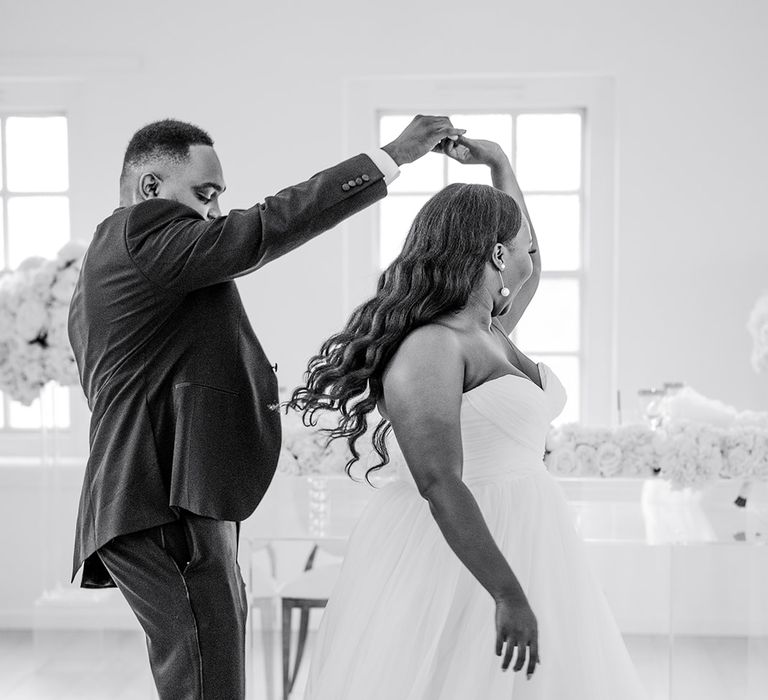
{"x":407,"y":620}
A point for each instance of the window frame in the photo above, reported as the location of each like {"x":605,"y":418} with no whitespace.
{"x":44,"y":444}
{"x":594,"y":97}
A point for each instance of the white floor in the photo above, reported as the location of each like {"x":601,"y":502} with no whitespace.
{"x":64,"y":665}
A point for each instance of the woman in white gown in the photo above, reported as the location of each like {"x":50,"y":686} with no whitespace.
{"x":473,"y":549}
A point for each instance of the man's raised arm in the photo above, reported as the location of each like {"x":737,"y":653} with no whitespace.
{"x":178,"y":251}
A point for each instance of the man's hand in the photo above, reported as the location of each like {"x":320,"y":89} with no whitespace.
{"x":421,"y":136}
{"x":474,"y":151}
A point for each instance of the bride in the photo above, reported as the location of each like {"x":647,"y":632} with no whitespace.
{"x":472,"y":550}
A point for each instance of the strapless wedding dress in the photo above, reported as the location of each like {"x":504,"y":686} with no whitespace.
{"x":408,"y":621}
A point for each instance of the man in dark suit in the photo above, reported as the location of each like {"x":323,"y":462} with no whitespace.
{"x":185,"y":434}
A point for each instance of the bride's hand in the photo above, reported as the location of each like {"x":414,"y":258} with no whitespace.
{"x":516,"y":625}
{"x":473,"y":151}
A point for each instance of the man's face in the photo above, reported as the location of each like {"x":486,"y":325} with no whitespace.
{"x":196,"y":182}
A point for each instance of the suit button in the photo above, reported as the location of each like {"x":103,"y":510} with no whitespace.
{"x":365,"y":178}
{"x":359,"y":180}
{"x":345,"y":187}
{"x":351,"y":183}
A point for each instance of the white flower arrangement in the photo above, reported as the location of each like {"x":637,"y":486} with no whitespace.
{"x":686,"y":453}
{"x":575,"y":450}
{"x":34,"y":306}
{"x":690,"y":454}
{"x":306,"y":450}
{"x":757,"y":325}
{"x":689,"y":405}
{"x":700,"y":440}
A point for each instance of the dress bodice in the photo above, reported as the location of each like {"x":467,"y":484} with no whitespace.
{"x":504,"y":423}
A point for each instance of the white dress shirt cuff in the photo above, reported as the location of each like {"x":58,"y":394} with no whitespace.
{"x":383,"y":161}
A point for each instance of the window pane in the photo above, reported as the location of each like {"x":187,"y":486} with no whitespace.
{"x":492,"y":127}
{"x":37,"y":154}
{"x":36,"y":226}
{"x":567,"y":370}
{"x":557,"y":221}
{"x":397,"y":214}
{"x":551,"y":322}
{"x":549,"y":151}
{"x":55,"y":410}
{"x":423,"y":175}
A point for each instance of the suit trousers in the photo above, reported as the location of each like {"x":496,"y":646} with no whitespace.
{"x":183,"y":583}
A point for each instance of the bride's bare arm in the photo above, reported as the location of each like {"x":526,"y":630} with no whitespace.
{"x":481,"y":152}
{"x":503,"y":178}
{"x":423,"y":389}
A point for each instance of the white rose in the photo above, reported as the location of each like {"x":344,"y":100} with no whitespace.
{"x":710,"y":462}
{"x":42,"y":280}
{"x":562,"y":462}
{"x":58,"y":336}
{"x":334,"y":458}
{"x":609,"y":459}
{"x":737,"y":463}
{"x":25,"y":393}
{"x":560,"y":437}
{"x":31,"y":319}
{"x":752,"y":419}
{"x":586,"y":457}
{"x":678,"y":454}
{"x":594,"y":437}
{"x":737,"y":452}
{"x":71,"y":252}
{"x":760,"y":455}
{"x":31,"y":264}
{"x":7,"y":323}
{"x":12,"y":290}
{"x":64,"y":286}
{"x":287,"y":463}
{"x":636,"y":464}
{"x":61,"y":367}
{"x":689,"y":406}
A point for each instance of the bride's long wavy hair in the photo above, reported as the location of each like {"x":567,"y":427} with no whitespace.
{"x":443,"y":259}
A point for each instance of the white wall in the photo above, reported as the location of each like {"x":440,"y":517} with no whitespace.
{"x":269,"y":83}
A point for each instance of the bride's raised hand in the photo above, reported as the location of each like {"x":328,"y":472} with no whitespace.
{"x":473,"y":151}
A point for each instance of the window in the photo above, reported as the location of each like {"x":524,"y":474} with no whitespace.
{"x":583,"y":355}
{"x":34,"y":221}
{"x":547,"y":154}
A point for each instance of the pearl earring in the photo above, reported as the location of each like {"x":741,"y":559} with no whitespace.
{"x":504,"y":290}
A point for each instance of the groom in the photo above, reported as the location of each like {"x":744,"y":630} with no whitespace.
{"x":184,"y":435}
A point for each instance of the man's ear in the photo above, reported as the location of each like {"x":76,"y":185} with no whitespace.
{"x":149,"y":186}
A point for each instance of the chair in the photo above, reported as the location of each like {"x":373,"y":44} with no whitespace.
{"x":311,"y":589}
{"x":262,"y":590}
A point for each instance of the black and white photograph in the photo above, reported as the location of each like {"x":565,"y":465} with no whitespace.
{"x":383,"y":351}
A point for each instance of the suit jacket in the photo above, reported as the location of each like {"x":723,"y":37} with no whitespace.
{"x":183,"y":398}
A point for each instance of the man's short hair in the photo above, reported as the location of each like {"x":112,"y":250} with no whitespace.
{"x":168,"y":138}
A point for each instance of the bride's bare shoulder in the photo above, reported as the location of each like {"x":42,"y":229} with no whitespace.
{"x":426,"y":346}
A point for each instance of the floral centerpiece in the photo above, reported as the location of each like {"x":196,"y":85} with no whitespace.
{"x":576,"y":450}
{"x":34,"y":305}
{"x":306,"y":450}
{"x":699,"y":440}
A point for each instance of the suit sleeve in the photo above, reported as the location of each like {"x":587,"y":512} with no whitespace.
{"x":175,"y":249}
